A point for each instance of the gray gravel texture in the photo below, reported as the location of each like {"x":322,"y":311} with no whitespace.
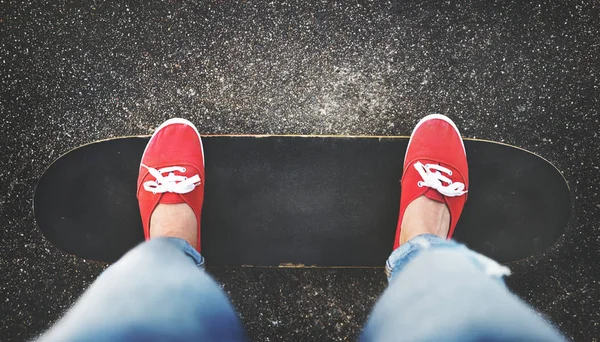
{"x":520,"y":72}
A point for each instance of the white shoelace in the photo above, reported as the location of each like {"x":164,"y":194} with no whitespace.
{"x":170,"y":182}
{"x":433,"y":178}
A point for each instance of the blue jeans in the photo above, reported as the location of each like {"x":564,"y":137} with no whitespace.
{"x":440,"y":290}
{"x":159,"y":292}
{"x":154,"y":293}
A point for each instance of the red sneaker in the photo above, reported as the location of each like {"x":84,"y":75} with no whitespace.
{"x":435,"y":165}
{"x":172,"y":171}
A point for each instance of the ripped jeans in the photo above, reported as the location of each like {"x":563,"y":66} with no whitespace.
{"x":440,"y":290}
{"x":159,"y":292}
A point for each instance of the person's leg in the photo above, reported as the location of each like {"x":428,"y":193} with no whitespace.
{"x":440,"y":290}
{"x":156,"y":292}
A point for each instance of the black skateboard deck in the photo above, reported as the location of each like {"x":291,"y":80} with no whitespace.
{"x":300,"y":200}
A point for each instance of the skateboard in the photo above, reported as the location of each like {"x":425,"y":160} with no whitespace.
{"x":300,"y":201}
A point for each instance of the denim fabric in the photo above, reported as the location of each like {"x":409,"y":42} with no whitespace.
{"x":156,"y":292}
{"x":440,"y":290}
{"x":188,"y":250}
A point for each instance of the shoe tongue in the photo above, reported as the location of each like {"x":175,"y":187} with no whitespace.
{"x":171,"y":198}
{"x":433,"y":194}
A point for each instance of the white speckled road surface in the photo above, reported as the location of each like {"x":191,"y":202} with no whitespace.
{"x":525,"y":73}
